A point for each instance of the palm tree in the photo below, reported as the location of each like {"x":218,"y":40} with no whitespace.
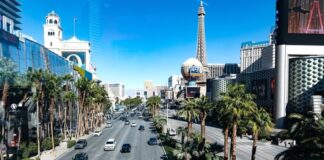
{"x":68,"y":97}
{"x":224,"y":119}
{"x":189,"y":112}
{"x":83,"y":85}
{"x":36,"y":80}
{"x":183,"y":132}
{"x":159,"y":122}
{"x":240,"y":104}
{"x":204,"y":106}
{"x":8,"y":73}
{"x":260,"y":122}
{"x":154,"y":105}
{"x":54,"y":87}
{"x":308,"y":132}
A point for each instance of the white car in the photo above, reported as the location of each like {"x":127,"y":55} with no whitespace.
{"x":108,"y":125}
{"x":97,"y":133}
{"x":110,"y":145}
{"x":171,"y":132}
{"x":133,"y":124}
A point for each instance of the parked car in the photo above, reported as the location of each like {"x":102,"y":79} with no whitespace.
{"x":81,"y":143}
{"x":141,"y":128}
{"x":81,"y":156}
{"x":171,"y":132}
{"x":126,"y":148}
{"x":110,"y":145}
{"x":97,"y":132}
{"x":152,"y":141}
{"x":133,"y":124}
{"x":108,"y":125}
{"x":127,"y":122}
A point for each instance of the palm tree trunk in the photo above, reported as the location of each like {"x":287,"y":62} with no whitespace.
{"x":38,"y":129}
{"x":254,"y":147}
{"x":203,"y":125}
{"x":70,"y":118}
{"x":226,"y":144}
{"x":5,"y":94}
{"x":233,"y":141}
{"x":52,"y":121}
{"x":65,"y":126}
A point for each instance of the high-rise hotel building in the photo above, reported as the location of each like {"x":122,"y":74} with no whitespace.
{"x":251,"y":53}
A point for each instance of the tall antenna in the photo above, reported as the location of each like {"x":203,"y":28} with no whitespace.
{"x":74,"y":22}
{"x":201,"y":3}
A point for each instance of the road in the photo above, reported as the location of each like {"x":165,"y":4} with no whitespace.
{"x":265,"y":151}
{"x":122,"y":134}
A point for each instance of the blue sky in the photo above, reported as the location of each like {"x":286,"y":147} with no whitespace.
{"x":137,"y":40}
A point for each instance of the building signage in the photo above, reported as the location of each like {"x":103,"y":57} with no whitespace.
{"x":9,"y":38}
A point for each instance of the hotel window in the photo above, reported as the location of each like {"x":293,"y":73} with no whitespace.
{"x":8,"y":27}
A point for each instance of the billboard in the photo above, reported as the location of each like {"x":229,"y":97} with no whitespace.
{"x":192,"y":92}
{"x":300,"y":22}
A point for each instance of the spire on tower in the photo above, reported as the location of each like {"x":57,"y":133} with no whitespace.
{"x":201,"y":3}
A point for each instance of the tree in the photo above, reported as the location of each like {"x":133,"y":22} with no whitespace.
{"x":153,"y":103}
{"x":83,"y":87}
{"x":159,"y":122}
{"x":53,"y":86}
{"x":260,"y":122}
{"x":224,"y":119}
{"x":308,"y":131}
{"x":189,"y":112}
{"x":182,"y":131}
{"x":237,"y":105}
{"x":204,"y":106}
{"x":8,"y":73}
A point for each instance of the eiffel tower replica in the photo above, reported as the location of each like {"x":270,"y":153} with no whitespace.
{"x":201,"y":42}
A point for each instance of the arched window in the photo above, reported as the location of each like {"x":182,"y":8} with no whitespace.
{"x":55,"y":21}
{"x":50,"y":21}
{"x":49,"y":33}
{"x":51,"y":44}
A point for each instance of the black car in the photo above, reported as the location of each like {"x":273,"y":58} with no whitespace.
{"x":126,"y":148}
{"x":81,"y":156}
{"x":152,"y":141}
{"x":82,"y":143}
{"x":141,"y":128}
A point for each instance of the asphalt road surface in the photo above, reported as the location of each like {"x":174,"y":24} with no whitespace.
{"x":122,"y":134}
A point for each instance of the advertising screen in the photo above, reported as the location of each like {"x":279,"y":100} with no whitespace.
{"x":300,"y":22}
{"x":192,"y":92}
{"x":306,"y":16}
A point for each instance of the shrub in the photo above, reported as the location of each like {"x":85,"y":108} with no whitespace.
{"x":71,"y":143}
{"x":28,"y":150}
{"x":47,"y":143}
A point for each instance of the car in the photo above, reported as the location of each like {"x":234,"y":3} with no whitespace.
{"x":127,"y":122}
{"x":126,"y":148}
{"x":97,"y":132}
{"x":140,"y":116}
{"x":122,"y":118}
{"x":81,"y":156}
{"x":171,"y":132}
{"x":141,"y":128}
{"x":133,"y":124}
{"x":110,"y":145}
{"x":108,"y":125}
{"x":81,"y":143}
{"x":152,"y":141}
